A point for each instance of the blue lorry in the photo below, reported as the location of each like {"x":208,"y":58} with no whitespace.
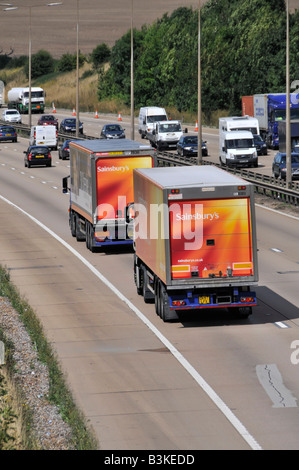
{"x":270,"y":109}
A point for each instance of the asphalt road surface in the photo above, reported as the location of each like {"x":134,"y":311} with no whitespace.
{"x":209,"y":381}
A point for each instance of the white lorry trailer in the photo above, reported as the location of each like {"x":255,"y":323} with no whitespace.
{"x":195,"y":240}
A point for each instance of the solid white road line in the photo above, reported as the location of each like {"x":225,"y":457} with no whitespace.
{"x":240,"y":428}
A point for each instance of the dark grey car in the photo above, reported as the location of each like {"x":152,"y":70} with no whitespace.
{"x":112,"y":131}
{"x":279,"y":169}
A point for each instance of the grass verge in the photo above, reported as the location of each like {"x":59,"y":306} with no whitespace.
{"x":59,"y":394}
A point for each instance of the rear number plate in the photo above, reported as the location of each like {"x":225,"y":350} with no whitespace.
{"x":204,"y":299}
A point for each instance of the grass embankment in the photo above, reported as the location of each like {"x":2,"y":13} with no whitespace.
{"x":61,"y":91}
{"x":15,"y":418}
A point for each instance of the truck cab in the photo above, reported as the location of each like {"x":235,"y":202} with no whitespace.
{"x":237,"y":149}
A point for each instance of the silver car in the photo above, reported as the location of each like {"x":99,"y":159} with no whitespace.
{"x":11,"y":115}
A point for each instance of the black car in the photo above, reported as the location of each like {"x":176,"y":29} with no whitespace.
{"x":37,"y":155}
{"x":279,"y":169}
{"x":64,"y":150}
{"x":260,"y":145}
{"x":112,"y":131}
{"x":69,"y":125}
{"x":187,"y":146}
{"x":47,"y":120}
{"x":8,"y":133}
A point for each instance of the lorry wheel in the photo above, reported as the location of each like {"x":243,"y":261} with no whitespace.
{"x":79,"y":236}
{"x":136,"y":280}
{"x":73,"y":224}
{"x":87,"y":237}
{"x":157,"y":298}
{"x":241,"y":312}
{"x":244,"y":312}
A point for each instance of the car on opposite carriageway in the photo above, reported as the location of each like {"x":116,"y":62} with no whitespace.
{"x":187,"y":146}
{"x":69,"y":125}
{"x":279,"y":166}
{"x":112,"y":131}
{"x":11,"y":115}
{"x":48,"y":120}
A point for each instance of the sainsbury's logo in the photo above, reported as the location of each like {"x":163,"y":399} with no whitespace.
{"x":120,"y":169}
{"x":197,"y":216}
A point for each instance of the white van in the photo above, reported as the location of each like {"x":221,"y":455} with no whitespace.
{"x":237,"y":148}
{"x":147,"y":117}
{"x":44,"y":135}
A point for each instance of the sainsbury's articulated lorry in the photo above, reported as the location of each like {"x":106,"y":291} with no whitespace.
{"x":195,"y":240}
{"x":101,"y":189}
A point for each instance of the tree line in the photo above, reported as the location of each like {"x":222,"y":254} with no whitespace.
{"x":243,"y":52}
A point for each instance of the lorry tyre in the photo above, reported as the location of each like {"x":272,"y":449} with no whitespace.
{"x":90,"y":237}
{"x":87,"y":236}
{"x":73,"y":224}
{"x":157,"y":297}
{"x":137,"y":273}
{"x":244,"y":312}
{"x":79,"y":236}
{"x":241,"y":312}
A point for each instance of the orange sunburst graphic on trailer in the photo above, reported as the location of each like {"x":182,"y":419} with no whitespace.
{"x":115,"y":183}
{"x":211,"y":238}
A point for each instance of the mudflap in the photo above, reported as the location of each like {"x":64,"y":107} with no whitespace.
{"x":165,"y":312}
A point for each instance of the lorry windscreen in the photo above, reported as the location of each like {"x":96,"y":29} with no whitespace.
{"x":34,"y":94}
{"x":280,"y":114}
{"x":156,"y":118}
{"x":239,"y":143}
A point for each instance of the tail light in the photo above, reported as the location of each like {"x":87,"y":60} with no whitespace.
{"x":50,"y":156}
{"x":29,"y":156}
{"x":247,"y":299}
{"x":178,"y":303}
